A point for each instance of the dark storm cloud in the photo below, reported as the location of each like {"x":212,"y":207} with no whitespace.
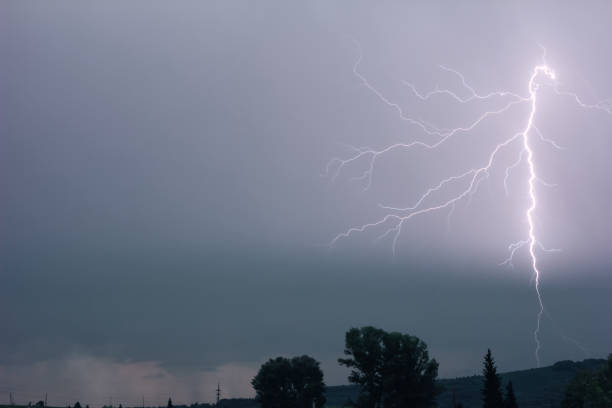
{"x":163,"y":208}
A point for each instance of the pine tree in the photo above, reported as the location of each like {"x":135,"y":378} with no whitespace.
{"x":169,"y":402}
{"x":510,"y":399}
{"x":491,"y":391}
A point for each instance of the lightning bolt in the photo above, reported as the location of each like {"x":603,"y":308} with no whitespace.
{"x":396,"y":218}
{"x":532,"y":241}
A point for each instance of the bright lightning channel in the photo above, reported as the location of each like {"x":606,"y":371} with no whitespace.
{"x":533,"y":87}
{"x":398,"y":216}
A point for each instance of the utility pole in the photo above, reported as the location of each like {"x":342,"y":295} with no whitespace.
{"x":218,"y":393}
{"x":45,"y":400}
{"x":143,"y":401}
{"x":11,"y":400}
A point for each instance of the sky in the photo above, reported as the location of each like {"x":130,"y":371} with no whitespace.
{"x":166,"y":215}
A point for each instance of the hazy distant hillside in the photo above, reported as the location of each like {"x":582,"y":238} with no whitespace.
{"x":538,"y":387}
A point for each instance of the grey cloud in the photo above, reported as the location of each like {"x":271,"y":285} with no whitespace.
{"x":163,"y":202}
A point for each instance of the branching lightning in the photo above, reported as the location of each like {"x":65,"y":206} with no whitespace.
{"x":394,"y":221}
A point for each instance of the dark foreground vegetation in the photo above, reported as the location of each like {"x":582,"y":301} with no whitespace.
{"x":393,"y":370}
{"x":543,"y":387}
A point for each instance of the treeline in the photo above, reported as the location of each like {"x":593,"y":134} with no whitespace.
{"x":590,"y":389}
{"x":393,"y":370}
{"x":224,"y":403}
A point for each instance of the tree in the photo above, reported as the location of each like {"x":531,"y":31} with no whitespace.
{"x":365,"y":347}
{"x":392,"y":369}
{"x":296,"y":382}
{"x":590,"y":389}
{"x":510,"y":398}
{"x":77,"y":405}
{"x":491,"y":391}
{"x":169,"y":402}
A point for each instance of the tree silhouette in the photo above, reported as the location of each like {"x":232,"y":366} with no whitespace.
{"x":590,"y":389}
{"x":491,"y":391}
{"x":170,"y":403}
{"x":296,"y":382}
{"x":510,"y":398}
{"x":392,"y":369}
{"x":365,"y":347}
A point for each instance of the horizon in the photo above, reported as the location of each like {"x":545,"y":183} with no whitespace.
{"x":118,"y":401}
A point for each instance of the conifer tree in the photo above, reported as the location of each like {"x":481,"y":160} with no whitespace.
{"x":491,"y":391}
{"x":510,"y":398}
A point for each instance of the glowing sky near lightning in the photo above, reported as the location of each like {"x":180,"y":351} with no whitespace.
{"x":181,"y":153}
{"x":399,"y":216}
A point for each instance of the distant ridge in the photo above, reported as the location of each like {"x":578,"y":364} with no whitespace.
{"x":537,"y":387}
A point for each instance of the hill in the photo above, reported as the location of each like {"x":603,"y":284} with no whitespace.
{"x":534,"y":388}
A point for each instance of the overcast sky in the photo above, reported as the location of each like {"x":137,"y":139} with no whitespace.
{"x":165,"y":214}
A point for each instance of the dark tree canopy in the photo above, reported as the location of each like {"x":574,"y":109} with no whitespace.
{"x":588,"y":389}
{"x":393,"y":369}
{"x":491,"y":391}
{"x":296,"y":382}
{"x":364,"y":346}
{"x":510,"y":398}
